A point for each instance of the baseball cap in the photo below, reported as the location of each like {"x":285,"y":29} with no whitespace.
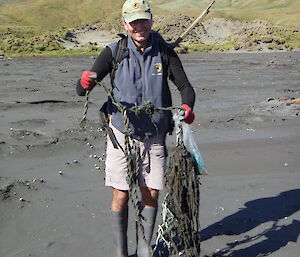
{"x":135,"y":10}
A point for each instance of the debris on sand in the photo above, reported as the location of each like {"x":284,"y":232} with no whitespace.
{"x":296,"y":101}
{"x":10,"y":189}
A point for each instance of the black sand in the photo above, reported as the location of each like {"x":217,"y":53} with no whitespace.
{"x":246,"y":127}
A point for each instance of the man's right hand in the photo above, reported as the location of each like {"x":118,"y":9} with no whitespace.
{"x":87,"y":82}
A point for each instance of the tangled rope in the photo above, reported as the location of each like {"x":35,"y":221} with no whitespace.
{"x":86,"y":107}
{"x":178,"y":233}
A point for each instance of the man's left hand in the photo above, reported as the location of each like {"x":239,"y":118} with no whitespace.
{"x":189,"y":115}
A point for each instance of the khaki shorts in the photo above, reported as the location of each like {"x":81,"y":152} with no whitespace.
{"x":152,"y":162}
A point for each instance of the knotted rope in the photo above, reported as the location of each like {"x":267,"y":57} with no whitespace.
{"x":86,"y":107}
{"x":178,"y":232}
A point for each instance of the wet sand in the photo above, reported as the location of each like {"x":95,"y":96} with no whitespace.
{"x":53,"y":200}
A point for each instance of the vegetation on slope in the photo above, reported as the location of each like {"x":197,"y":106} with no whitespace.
{"x":36,"y":27}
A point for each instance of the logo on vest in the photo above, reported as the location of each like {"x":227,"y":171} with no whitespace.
{"x":158,"y":67}
{"x":136,"y":5}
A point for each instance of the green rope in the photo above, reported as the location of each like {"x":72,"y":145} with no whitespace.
{"x":132,"y":174}
{"x":86,"y":107}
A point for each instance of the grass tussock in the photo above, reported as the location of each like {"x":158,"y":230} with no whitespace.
{"x":14,"y":43}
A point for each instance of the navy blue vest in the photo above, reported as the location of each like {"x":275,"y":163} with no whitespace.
{"x":140,"y":78}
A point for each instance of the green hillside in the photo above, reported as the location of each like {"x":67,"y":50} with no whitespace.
{"x":34,"y":26}
{"x":44,"y":15}
{"x":283,"y":12}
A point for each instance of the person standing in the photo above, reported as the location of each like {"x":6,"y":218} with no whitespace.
{"x":140,"y":76}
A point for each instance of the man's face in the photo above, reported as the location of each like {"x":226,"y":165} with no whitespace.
{"x":139,"y":30}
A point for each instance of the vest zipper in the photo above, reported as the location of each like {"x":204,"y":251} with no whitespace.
{"x":143,"y":78}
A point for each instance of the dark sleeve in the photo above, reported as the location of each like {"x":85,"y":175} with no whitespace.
{"x":102,"y":66}
{"x":179,"y":78}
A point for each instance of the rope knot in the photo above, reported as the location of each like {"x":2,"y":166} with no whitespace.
{"x":147,"y":108}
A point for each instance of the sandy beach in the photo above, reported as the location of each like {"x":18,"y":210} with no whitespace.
{"x":53,"y":201}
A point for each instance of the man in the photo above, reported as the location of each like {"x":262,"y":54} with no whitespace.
{"x":140,"y":77}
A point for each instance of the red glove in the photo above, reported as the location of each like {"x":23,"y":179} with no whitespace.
{"x":87,"y":82}
{"x":189,"y":116}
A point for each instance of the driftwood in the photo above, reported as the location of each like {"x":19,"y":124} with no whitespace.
{"x":199,"y":19}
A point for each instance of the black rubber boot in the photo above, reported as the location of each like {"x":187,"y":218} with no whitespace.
{"x":143,"y":247}
{"x":119,"y":226}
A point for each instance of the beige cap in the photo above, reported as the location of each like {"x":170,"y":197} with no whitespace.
{"x":135,"y":10}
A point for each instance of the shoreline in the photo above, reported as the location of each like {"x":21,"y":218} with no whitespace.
{"x":93,"y":55}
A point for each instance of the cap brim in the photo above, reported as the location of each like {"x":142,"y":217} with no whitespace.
{"x":138,"y":16}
